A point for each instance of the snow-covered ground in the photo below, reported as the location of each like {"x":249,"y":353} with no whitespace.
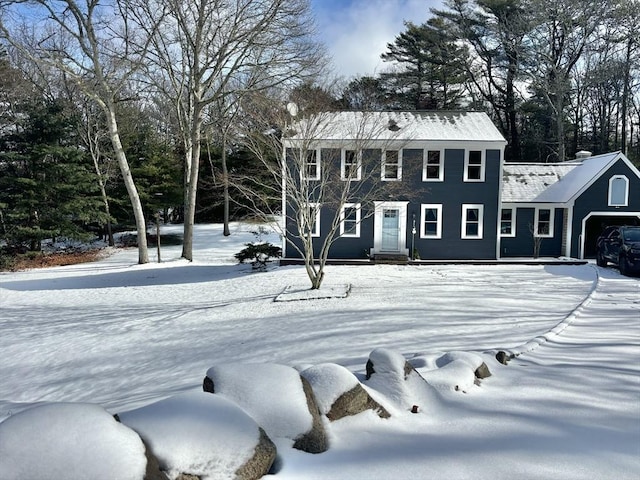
{"x":123,"y":336}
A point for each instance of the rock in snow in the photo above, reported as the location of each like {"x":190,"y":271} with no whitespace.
{"x":69,"y":441}
{"x":339,"y":393}
{"x":277,"y":398}
{"x":457,"y":371}
{"x":389,"y":373}
{"x":203,"y":435}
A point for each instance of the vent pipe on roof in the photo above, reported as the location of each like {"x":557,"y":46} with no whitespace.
{"x":582,"y":154}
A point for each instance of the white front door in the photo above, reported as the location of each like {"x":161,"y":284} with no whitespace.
{"x":390,"y":228}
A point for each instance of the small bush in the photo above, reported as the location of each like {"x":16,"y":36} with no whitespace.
{"x":259,"y":254}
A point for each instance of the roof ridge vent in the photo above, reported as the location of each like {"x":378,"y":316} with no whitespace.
{"x":582,"y":154}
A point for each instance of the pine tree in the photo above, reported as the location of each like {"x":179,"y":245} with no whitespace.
{"x":47,"y":187}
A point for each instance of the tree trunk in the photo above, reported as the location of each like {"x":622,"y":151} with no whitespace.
{"x":192,"y":185}
{"x":225,"y":186}
{"x":105,"y":200}
{"x":141,"y":227}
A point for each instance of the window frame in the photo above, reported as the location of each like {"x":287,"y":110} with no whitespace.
{"x":468,"y":164}
{"x":512,"y":231}
{"x":611,"y":191}
{"x":423,"y":232}
{"x":463,"y":229}
{"x":383,"y":165}
{"x":358,"y":209}
{"x":425,"y":165}
{"x":304,"y":170}
{"x":343,"y":164}
{"x":536,"y":227}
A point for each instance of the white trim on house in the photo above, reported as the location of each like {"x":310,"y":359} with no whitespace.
{"x":468,"y":165}
{"x":464,"y":223}
{"x":383,"y":165}
{"x":512,"y":233}
{"x":343,"y":166}
{"x":378,"y":222}
{"x":610,"y":199}
{"x":431,"y":206}
{"x":358,"y":219}
{"x":569,"y":226}
{"x":304,"y":156}
{"x":425,"y":164}
{"x":536,"y":221}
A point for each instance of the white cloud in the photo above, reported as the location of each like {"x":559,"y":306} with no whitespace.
{"x":357,"y":33}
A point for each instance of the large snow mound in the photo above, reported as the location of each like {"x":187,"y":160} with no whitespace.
{"x":69,"y":441}
{"x":196,"y":433}
{"x":272,"y":394}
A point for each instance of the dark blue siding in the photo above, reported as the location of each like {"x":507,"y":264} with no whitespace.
{"x":452,"y":194}
{"x":522,"y":245}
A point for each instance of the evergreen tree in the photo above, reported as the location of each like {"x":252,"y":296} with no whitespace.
{"x":47,"y":186}
{"x":429,"y":71}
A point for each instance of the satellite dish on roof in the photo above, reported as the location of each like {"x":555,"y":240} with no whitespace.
{"x":292,"y":108}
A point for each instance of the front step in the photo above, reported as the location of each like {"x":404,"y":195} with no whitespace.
{"x":391,"y":258}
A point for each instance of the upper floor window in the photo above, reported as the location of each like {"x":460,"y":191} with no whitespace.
{"x":350,"y":220}
{"x":391,"y":165}
{"x":474,"y":166}
{"x":351,"y":165}
{"x":311,"y":165}
{"x":432,"y":168}
{"x":543,"y":222}
{"x":618,"y":191}
{"x":472,"y":221}
{"x":431,"y":221}
{"x":508,"y":222}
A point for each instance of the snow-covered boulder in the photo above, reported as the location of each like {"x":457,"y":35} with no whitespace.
{"x":339,"y":393}
{"x":389,"y":373}
{"x":70,"y":441}
{"x":203,"y":435}
{"x":278,"y":399}
{"x":457,"y":371}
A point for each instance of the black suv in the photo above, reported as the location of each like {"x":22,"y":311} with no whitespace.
{"x":619,"y":245}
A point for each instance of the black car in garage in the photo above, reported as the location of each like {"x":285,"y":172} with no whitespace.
{"x":620,"y":245}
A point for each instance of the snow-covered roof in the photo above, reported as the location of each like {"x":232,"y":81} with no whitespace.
{"x":404,"y":126}
{"x":524,"y":182}
{"x":552,"y":183}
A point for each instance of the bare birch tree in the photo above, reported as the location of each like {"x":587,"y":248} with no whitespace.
{"x":207,"y":46}
{"x":95,"y":44}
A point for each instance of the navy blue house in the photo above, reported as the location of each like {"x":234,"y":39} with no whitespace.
{"x":434,"y":186}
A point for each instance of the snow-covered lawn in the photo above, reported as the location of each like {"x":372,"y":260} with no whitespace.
{"x":123,"y":336}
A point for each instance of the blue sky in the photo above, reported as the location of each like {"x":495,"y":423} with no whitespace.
{"x":356,"y":32}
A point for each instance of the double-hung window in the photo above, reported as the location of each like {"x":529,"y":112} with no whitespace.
{"x":474,"y":166}
{"x":432,"y":167}
{"x":350,"y":220}
{"x":431,"y":221}
{"x":544,"y":222}
{"x":472,"y":221}
{"x":391,"y":165}
{"x":351,"y":165}
{"x":508,"y":222}
{"x":311,"y":164}
{"x":618,"y":191}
